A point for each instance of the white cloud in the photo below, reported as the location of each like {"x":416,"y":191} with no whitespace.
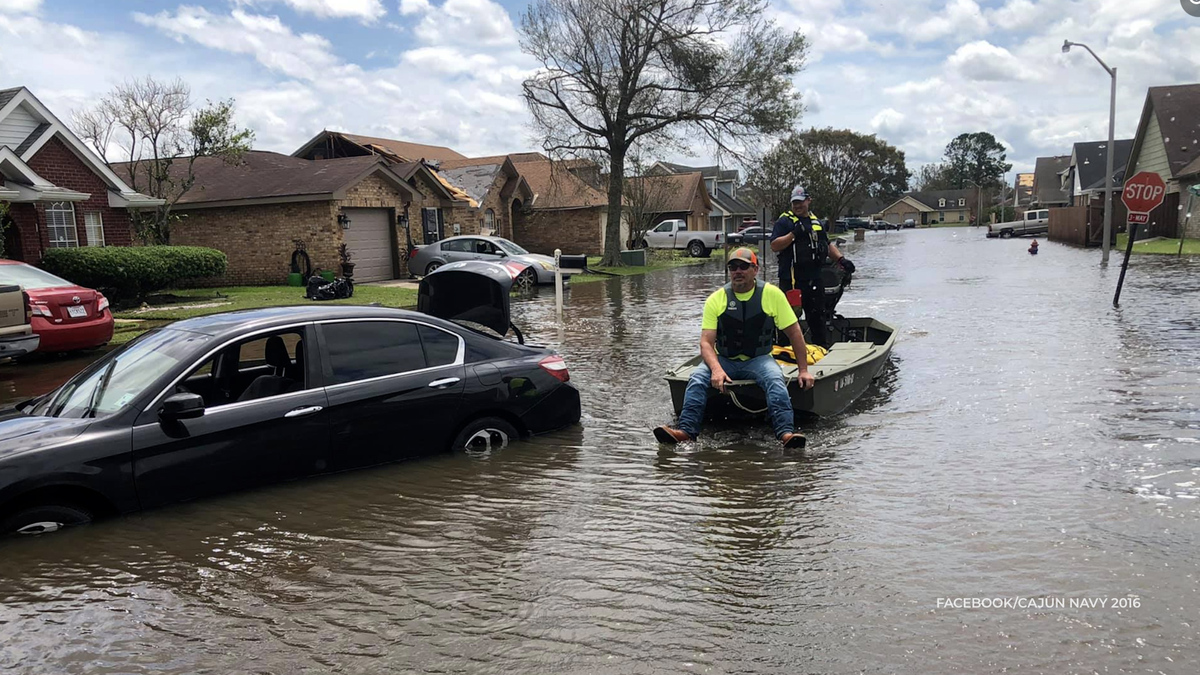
{"x":957,"y":19}
{"x":408,"y":7}
{"x":365,"y":10}
{"x":984,"y":61}
{"x":929,"y":86}
{"x":448,"y":60}
{"x":474,"y":22}
{"x":19,"y":6}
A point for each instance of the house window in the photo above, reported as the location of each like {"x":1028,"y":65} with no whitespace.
{"x":942,"y":203}
{"x":94,"y":225}
{"x":60,"y":219}
{"x":961,"y":216}
{"x":962,"y":202}
{"x":941,"y":215}
{"x":714,"y":223}
{"x":489,"y":221}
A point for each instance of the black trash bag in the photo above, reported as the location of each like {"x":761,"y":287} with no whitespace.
{"x":319,"y":289}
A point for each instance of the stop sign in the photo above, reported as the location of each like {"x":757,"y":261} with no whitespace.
{"x":1144,"y":192}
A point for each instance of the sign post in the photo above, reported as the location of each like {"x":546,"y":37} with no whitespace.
{"x":1142,"y":194}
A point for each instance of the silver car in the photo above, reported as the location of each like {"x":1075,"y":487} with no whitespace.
{"x":473,"y":247}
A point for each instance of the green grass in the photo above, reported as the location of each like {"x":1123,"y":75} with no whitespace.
{"x":134,"y":322}
{"x":1159,"y":246}
{"x":658,"y":260}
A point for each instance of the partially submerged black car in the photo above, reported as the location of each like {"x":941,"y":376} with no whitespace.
{"x":246,"y":398}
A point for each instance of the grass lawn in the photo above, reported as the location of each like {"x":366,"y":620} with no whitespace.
{"x":1158,"y":246}
{"x":203,"y":301}
{"x":657,"y":260}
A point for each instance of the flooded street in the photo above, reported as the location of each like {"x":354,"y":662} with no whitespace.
{"x":1029,"y":447}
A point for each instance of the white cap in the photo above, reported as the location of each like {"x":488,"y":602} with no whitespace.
{"x":799,"y":194}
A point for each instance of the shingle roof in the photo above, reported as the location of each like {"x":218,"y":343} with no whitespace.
{"x":7,"y":95}
{"x":1178,"y":111}
{"x":516,"y":157}
{"x":1047,"y":186}
{"x":265,"y":175}
{"x":556,"y":187}
{"x":931,"y":198}
{"x":473,"y":180}
{"x":1092,"y":157}
{"x":732,"y":204}
{"x":406,"y":150}
{"x":706,"y":171}
{"x":680,"y":189}
{"x":32,"y":137}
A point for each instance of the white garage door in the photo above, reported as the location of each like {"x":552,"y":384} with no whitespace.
{"x":369,"y":243}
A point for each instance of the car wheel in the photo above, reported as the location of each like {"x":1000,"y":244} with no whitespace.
{"x":696,"y":249}
{"x":45,"y":518}
{"x":484,"y":435}
{"x":1006,"y":234}
{"x":525,"y":281}
{"x":433,"y":266}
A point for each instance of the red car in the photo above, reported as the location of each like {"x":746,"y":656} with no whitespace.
{"x":65,"y":316}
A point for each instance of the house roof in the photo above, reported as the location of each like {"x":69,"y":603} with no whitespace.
{"x":705,"y":171}
{"x":931,"y":198}
{"x":407,"y":150}
{"x":516,"y":157}
{"x":732,"y":205}
{"x":266,"y":177}
{"x":555,"y":187}
{"x":1191,"y":169}
{"x":7,"y":95}
{"x":1047,"y":186}
{"x":474,"y":180}
{"x":680,"y":189}
{"x":1178,"y":110}
{"x":1091,"y":157}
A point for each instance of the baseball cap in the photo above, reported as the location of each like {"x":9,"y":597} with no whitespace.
{"x":799,"y":194}
{"x":745,"y":255}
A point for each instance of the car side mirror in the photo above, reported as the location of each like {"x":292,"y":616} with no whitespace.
{"x":184,"y":406}
{"x":501,"y":252}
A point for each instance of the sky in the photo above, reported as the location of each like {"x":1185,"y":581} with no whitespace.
{"x":448,"y":72}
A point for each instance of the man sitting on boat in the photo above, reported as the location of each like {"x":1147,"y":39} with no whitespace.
{"x":737,"y":334}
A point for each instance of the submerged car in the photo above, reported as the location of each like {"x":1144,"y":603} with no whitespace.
{"x":64,"y":316}
{"x":234,"y":400}
{"x":426,"y":259}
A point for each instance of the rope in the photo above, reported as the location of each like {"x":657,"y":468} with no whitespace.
{"x":739,"y":403}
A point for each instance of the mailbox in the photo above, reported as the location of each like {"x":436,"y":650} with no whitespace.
{"x":572,"y":262}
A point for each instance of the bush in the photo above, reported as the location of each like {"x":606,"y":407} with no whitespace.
{"x":133,"y":271}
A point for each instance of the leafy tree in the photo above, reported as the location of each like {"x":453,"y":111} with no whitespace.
{"x":932,"y":177}
{"x":616,"y":73}
{"x":977,"y":157}
{"x":838,"y":167}
{"x":161,"y":137}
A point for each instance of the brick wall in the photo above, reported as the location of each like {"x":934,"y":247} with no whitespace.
{"x":57,"y":164}
{"x":574,"y":231}
{"x":257,"y":240}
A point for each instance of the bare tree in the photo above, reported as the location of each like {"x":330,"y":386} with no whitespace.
{"x":620,"y":72}
{"x":646,"y":199}
{"x":160,"y":137}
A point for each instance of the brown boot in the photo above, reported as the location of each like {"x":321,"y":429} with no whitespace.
{"x":793,"y":441}
{"x":671,"y":436}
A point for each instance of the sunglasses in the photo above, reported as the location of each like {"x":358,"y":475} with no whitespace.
{"x":738,"y":266}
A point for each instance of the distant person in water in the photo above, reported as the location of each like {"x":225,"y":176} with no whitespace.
{"x":1033,"y":247}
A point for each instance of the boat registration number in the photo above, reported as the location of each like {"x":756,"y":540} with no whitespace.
{"x":77,"y":312}
{"x":843,"y":381}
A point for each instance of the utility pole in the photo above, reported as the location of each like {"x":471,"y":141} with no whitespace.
{"x":1112,"y":118}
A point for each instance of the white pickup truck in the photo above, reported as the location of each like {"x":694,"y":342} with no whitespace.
{"x":675,"y":234}
{"x":1036,"y":221}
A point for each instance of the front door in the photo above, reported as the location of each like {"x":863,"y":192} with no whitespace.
{"x":431,"y":223}
{"x":264,"y":421}
{"x":394,"y":389}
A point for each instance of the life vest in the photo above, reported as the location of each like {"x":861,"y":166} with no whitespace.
{"x":808,"y":255}
{"x":744,"y":329}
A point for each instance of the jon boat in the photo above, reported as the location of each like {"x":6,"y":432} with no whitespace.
{"x":861,"y":347}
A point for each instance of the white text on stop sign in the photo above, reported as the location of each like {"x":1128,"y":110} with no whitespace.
{"x":1148,"y":193}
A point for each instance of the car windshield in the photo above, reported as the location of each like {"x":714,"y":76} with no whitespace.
{"x":29,"y":277}
{"x":108,"y":385}
{"x":509,"y":247}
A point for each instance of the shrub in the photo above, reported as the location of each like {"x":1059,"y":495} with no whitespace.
{"x":133,"y":271}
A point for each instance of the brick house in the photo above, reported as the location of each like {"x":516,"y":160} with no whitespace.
{"x":685,"y":197}
{"x":59,"y":192}
{"x":726,"y":207}
{"x":1167,"y":142}
{"x":566,"y":212}
{"x":256,"y":210}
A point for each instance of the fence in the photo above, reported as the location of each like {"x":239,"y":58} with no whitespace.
{"x":1069,"y":225}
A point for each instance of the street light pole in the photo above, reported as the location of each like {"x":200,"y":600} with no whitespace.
{"x":1112,"y":118}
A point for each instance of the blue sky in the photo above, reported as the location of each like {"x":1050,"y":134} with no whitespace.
{"x":448,"y":72}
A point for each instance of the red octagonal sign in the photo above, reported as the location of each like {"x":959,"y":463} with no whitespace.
{"x":1144,"y":192}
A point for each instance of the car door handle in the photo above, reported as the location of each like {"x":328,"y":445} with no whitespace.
{"x":443,"y":383}
{"x":301,"y":412}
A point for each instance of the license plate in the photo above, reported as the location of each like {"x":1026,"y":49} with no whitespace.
{"x":77,"y":312}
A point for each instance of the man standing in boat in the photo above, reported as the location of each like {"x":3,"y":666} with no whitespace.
{"x":737,"y":334}
{"x":803,"y":246}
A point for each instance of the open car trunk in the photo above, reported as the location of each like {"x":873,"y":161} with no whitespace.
{"x":474,"y":290}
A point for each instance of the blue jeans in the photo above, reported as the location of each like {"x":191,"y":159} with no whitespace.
{"x":761,"y":369}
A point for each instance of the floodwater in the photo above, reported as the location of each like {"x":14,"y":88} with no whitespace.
{"x":1030,"y":449}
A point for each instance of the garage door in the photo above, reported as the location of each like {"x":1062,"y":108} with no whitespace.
{"x":369,"y":241}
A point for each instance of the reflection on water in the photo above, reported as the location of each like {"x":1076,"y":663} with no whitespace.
{"x":1027,"y":441}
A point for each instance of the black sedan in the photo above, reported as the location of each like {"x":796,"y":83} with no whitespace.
{"x":234,"y":400}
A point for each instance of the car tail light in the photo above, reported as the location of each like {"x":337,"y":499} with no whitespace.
{"x":28,"y":307}
{"x":556,"y":367}
{"x":101,"y":303}
{"x":718,"y":239}
{"x":39,"y":308}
